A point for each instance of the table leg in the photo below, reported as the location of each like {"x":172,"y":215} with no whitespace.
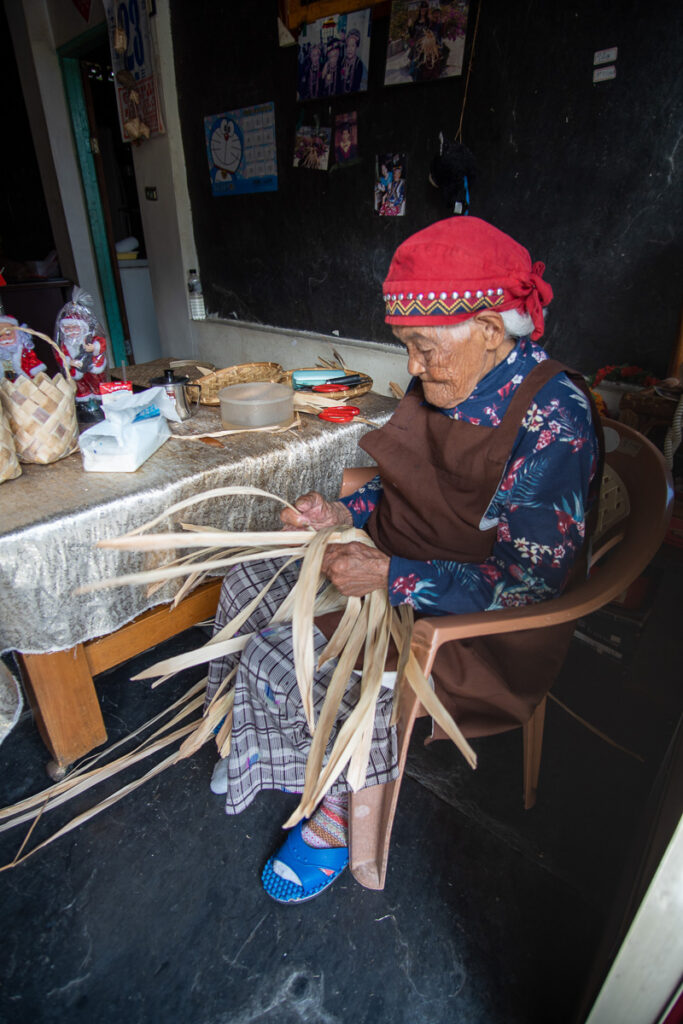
{"x":60,"y":685}
{"x":62,"y":693}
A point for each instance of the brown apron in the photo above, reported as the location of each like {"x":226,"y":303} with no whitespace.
{"x":439,"y":476}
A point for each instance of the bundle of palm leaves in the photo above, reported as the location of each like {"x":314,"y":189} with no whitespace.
{"x":366,"y":625}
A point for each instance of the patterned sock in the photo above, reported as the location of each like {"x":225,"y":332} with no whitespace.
{"x":328,"y":825}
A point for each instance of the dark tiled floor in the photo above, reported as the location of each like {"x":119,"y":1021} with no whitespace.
{"x":153,"y":911}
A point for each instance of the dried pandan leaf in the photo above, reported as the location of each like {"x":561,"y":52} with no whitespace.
{"x":366,"y":624}
{"x":220,"y":706}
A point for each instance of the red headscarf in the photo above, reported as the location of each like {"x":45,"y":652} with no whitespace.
{"x":458,"y":267}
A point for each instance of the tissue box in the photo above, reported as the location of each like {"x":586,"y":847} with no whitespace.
{"x":102,"y":453}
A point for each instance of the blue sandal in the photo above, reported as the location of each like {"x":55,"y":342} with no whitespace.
{"x":316,"y":869}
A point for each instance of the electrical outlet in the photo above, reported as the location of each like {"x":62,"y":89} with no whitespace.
{"x":604,"y":74}
{"x":607,"y":56}
{"x":151,"y":193}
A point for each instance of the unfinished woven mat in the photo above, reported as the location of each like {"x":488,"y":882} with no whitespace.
{"x":245,"y":373}
{"x":9,"y":463}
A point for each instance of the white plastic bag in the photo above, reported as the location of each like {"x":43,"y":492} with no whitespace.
{"x":134,"y":428}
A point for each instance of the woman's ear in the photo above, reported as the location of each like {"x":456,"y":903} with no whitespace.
{"x":492,"y":327}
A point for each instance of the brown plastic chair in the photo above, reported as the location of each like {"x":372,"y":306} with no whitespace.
{"x":635,"y":506}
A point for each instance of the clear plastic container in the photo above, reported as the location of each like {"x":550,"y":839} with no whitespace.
{"x":256,"y":404}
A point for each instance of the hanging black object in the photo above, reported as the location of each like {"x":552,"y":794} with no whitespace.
{"x":453,"y":171}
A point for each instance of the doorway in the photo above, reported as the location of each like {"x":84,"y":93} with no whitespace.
{"x":108,"y":175}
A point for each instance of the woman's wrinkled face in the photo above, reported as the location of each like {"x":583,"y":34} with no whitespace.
{"x":450,"y":361}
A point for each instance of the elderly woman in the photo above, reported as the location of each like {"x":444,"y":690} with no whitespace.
{"x":487,"y":472}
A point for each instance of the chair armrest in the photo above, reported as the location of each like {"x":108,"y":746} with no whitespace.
{"x":354,"y":478}
{"x":430,"y":633}
{"x":607,"y":582}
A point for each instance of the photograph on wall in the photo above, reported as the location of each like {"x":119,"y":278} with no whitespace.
{"x":333,"y":56}
{"x":312,"y":147}
{"x":426,"y":40}
{"x":346,"y":139}
{"x":241,"y":150}
{"x":390,"y":184}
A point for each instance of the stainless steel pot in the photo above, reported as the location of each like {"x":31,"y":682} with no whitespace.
{"x":176,"y":388}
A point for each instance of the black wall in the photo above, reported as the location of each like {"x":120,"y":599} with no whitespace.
{"x":588,"y":177}
{"x":25,"y":231}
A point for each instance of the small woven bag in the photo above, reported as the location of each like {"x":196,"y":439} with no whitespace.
{"x":41,"y":412}
{"x":9,"y":463}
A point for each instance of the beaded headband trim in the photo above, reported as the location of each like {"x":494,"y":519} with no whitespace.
{"x":443,"y":304}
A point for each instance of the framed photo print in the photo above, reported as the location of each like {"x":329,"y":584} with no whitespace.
{"x":333,"y":56}
{"x":426,"y":40}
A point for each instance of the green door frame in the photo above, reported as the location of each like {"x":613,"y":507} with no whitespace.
{"x":73,"y":85}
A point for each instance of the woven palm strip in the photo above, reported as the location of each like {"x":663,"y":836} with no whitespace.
{"x":41,"y":412}
{"x":245,"y":373}
{"x":9,"y":464}
{"x":87,"y":776}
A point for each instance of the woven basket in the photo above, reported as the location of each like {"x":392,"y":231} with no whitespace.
{"x":212,"y":383}
{"x":41,"y":412}
{"x":338,"y":396}
{"x":9,"y":463}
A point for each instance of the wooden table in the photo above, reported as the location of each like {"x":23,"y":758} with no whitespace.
{"x":61,"y":687}
{"x":50,"y":521}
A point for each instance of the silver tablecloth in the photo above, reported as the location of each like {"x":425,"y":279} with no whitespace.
{"x":52,"y":516}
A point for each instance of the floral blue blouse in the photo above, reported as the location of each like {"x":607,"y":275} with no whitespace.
{"x":539,"y":508}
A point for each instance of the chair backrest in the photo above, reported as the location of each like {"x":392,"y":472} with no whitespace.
{"x":613,"y":508}
{"x":636,"y":498}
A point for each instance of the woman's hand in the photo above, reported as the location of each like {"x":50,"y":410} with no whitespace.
{"x":313,"y":510}
{"x":356,"y":569}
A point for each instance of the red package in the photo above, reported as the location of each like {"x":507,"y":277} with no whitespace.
{"x":107,"y":387}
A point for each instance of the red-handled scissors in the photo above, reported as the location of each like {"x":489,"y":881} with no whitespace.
{"x":339,"y":413}
{"x":325,"y":388}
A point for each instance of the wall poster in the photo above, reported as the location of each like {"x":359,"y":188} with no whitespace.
{"x":241,"y":150}
{"x":130,"y":17}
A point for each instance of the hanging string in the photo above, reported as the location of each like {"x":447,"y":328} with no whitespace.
{"x":458,"y":134}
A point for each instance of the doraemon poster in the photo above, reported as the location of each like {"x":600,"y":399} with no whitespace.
{"x":241,"y":150}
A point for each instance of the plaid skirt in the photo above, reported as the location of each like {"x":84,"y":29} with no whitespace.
{"x":270,"y":737}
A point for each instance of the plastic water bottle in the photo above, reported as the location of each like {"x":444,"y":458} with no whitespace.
{"x":194,"y":287}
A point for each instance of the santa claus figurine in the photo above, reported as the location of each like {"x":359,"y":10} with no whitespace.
{"x":16,"y":350}
{"x":81,"y":338}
